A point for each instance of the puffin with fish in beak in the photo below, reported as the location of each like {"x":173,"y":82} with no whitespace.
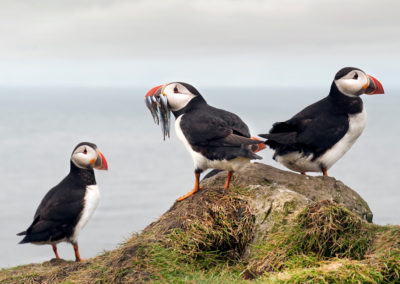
{"x":215,"y":138}
{"x":319,"y":135}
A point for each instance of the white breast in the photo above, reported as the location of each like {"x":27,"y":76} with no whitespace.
{"x":198,"y":159}
{"x":201,"y":162}
{"x":357,"y":124}
{"x":303,"y":163}
{"x":299,"y":162}
{"x":91,"y":200}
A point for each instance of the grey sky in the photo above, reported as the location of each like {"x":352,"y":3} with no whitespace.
{"x":212,"y":43}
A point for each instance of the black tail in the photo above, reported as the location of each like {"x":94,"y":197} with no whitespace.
{"x":24,"y":240}
{"x":22,"y":233}
{"x":275,"y":140}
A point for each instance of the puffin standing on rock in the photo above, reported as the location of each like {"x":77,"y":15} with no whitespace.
{"x":318,"y":136}
{"x":215,"y":138}
{"x":67,"y":207}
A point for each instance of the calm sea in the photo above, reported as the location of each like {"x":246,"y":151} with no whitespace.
{"x":41,"y":126}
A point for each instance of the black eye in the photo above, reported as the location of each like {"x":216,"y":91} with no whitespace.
{"x":355,"y":77}
{"x":85,"y":151}
{"x":176,"y":90}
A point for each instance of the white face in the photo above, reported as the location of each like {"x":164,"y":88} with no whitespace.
{"x":84,"y":157}
{"x":353,"y":84}
{"x":178,"y":96}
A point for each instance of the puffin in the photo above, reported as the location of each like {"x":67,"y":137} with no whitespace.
{"x":215,"y":138}
{"x":67,"y":207}
{"x":318,"y":136}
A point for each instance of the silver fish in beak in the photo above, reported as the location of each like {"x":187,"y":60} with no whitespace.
{"x":158,"y":106}
{"x":151,"y":104}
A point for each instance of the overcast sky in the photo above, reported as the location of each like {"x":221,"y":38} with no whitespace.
{"x":203,"y":42}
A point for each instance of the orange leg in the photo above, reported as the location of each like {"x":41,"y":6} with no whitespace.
{"x":77,"y":255}
{"x":195,"y":189}
{"x":303,"y":173}
{"x":325,"y":172}
{"x":228,"y":180}
{"x":55,"y":251}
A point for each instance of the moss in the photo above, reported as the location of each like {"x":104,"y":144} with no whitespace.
{"x":320,"y":231}
{"x":337,"y":271}
{"x":330,"y":230}
{"x":289,"y":207}
{"x":384,"y":255}
{"x":389,"y":265}
{"x":210,"y":245}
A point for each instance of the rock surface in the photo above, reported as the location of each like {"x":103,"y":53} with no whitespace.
{"x":274,"y":197}
{"x":268,"y":181}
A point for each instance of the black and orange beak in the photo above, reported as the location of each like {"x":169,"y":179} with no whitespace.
{"x":257,"y":147}
{"x":101,"y":162}
{"x":373,"y":87}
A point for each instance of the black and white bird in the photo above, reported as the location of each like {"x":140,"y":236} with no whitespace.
{"x":67,"y":207}
{"x":215,"y":138}
{"x":318,"y":136}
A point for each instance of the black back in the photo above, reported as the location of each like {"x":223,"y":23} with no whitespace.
{"x":61,"y":208}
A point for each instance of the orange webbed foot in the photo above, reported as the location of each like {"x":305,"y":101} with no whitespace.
{"x":190,"y":193}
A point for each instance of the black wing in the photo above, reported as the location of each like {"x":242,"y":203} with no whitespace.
{"x":232,"y":120}
{"x":217,"y":134}
{"x":57,"y":214}
{"x":204,"y":128}
{"x":313,"y":130}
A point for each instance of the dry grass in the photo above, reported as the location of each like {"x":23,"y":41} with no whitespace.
{"x":330,"y":230}
{"x":193,"y":240}
{"x":385,"y":253}
{"x":204,"y":239}
{"x":321,"y":231}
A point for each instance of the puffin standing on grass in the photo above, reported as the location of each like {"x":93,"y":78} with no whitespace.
{"x":215,"y":138}
{"x":67,"y":207}
{"x":315,"y":138}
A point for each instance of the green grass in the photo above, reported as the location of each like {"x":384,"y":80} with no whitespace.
{"x":336,"y":271}
{"x":319,"y":232}
{"x":324,"y":243}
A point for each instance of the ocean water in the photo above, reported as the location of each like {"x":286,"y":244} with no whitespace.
{"x":40,"y":126}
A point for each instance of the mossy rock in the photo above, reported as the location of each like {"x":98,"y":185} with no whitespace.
{"x":271,"y":226}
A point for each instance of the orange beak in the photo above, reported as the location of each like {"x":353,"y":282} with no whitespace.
{"x":373,"y":87}
{"x":101,"y":162}
{"x":258,"y":147}
{"x":153,"y":91}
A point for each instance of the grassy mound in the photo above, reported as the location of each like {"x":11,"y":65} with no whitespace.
{"x":321,"y":231}
{"x":188,"y":241}
{"x":328,"y":244}
{"x":204,"y":239}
